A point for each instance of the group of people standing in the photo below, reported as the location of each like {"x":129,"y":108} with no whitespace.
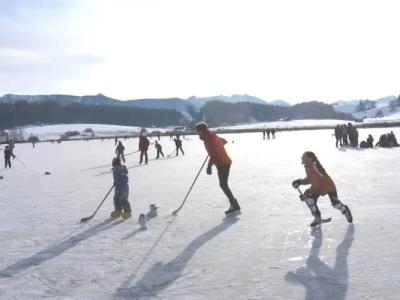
{"x":346,"y":135}
{"x":268,"y":132}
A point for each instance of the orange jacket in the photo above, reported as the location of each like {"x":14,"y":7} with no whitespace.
{"x":320,"y":184}
{"x":215,"y":149}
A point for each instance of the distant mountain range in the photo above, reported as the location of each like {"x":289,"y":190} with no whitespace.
{"x":178,"y":104}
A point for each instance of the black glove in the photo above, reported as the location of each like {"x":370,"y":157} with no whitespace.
{"x":209,"y":171}
{"x":296,"y":183}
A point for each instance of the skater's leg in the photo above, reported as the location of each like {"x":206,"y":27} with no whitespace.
{"x":117,"y":204}
{"x":146,"y":157}
{"x":311,"y":202}
{"x":141,"y":156}
{"x":162,"y":154}
{"x":125,"y":203}
{"x":223,"y":175}
{"x":340,"y":206}
{"x":183,"y":153}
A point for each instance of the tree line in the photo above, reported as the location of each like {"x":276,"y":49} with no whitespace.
{"x":217,"y":113}
{"x":23,"y":113}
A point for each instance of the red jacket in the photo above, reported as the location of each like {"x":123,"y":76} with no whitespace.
{"x":320,"y":184}
{"x":143,"y":143}
{"x":215,"y":149}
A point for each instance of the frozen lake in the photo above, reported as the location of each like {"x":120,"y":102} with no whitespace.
{"x":268,"y":252}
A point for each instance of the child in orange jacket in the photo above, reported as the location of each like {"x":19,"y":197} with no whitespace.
{"x":321,"y":184}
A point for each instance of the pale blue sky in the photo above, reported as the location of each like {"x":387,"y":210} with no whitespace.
{"x":128,"y":49}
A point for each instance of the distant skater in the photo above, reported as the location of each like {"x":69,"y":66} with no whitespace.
{"x":121,"y":194}
{"x":218,"y":157}
{"x":321,"y":184}
{"x":178,"y":145}
{"x":143,"y":147}
{"x":120,"y":151}
{"x":7,"y":155}
{"x":159,"y":150}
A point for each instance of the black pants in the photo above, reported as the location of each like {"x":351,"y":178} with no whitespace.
{"x":158,"y":153}
{"x":143,"y":152}
{"x":179,"y":148}
{"x":223,"y":175}
{"x":7,"y":162}
{"x":338,"y":142}
{"x":121,"y":155}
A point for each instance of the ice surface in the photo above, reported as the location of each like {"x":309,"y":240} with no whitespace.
{"x":268,"y":252}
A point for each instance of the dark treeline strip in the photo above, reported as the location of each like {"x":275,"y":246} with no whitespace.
{"x":218,"y":113}
{"x":23,"y":113}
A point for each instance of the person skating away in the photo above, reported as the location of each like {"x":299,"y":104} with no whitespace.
{"x":321,"y":184}
{"x":273,"y":132}
{"x":159,"y":150}
{"x":7,"y":155}
{"x":120,"y":151}
{"x":121,"y":193}
{"x":178,"y":145}
{"x":143,"y":147}
{"x":218,"y":157}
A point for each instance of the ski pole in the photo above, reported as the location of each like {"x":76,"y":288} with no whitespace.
{"x":194,"y":181}
{"x":84,"y":220}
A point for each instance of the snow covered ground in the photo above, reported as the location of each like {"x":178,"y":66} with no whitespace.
{"x":268,"y":252}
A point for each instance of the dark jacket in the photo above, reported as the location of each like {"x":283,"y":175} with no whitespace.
{"x":120,"y":175}
{"x":120,"y":149}
{"x":178,"y":143}
{"x":144,"y":143}
{"x":8,"y":154}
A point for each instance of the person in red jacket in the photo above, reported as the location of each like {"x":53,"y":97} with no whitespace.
{"x":218,"y":157}
{"x":143,"y":147}
{"x":321,"y":185}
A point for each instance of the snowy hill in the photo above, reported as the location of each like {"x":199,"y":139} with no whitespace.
{"x":350,"y":106}
{"x":268,"y":252}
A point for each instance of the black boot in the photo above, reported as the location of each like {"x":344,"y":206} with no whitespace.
{"x":234,"y":207}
